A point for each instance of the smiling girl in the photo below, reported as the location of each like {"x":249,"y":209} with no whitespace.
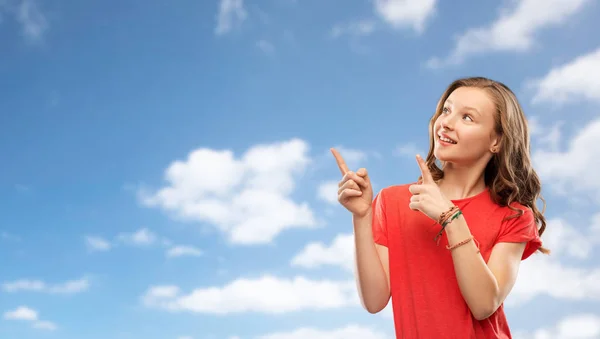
{"x":447,"y":248}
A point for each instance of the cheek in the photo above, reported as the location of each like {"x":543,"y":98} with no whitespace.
{"x":474,"y":140}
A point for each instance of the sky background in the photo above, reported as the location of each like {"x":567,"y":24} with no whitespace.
{"x":166,"y":169}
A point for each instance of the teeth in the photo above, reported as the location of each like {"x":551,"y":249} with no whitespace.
{"x":447,"y":140}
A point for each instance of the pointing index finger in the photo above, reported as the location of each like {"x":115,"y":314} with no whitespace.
{"x":340,"y":161}
{"x":427,"y":178}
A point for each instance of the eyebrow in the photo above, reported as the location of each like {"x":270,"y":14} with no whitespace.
{"x":448,"y":101}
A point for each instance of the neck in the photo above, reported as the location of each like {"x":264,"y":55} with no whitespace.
{"x":461,"y":182}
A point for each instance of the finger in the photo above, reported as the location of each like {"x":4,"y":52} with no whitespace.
{"x":415,"y":198}
{"x":425,"y":173}
{"x":362,"y":172}
{"x":340,"y":161}
{"x":349,"y":193}
{"x":353,"y":176}
{"x":414,"y":206}
{"x":416,"y":189}
{"x":350,"y":184}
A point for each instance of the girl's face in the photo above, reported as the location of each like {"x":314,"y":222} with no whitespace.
{"x":467,"y":120}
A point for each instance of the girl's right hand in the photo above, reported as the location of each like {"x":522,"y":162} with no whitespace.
{"x":355,"y":192}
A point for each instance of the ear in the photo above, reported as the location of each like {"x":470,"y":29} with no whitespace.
{"x":495,"y":144}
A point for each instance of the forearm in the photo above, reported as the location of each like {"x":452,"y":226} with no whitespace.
{"x":476,"y":281}
{"x":371,"y":277}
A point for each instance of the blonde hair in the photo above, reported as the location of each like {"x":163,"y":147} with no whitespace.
{"x":509,"y":174}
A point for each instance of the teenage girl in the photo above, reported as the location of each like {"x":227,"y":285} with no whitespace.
{"x":447,"y":248}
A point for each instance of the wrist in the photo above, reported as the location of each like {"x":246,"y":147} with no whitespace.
{"x":367,"y":215}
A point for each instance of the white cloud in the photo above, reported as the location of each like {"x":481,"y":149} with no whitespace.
{"x":339,"y":253}
{"x":514,"y":30}
{"x":547,"y":275}
{"x":405,"y":13}
{"x":327,"y":191}
{"x":347,"y":332}
{"x":546,"y":136}
{"x":575,"y":80}
{"x":24,"y":313}
{"x":542,"y":276}
{"x":354,"y":158}
{"x":68,"y":287}
{"x":21,"y":313}
{"x":565,"y":240}
{"x":266,"y":294}
{"x":577,"y":326}
{"x":231,"y":14}
{"x":249,"y":198}
{"x":141,"y":237}
{"x":183,"y":250}
{"x":564,"y":170}
{"x":95,"y":243}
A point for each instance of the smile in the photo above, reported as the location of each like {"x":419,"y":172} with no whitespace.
{"x":446,"y":140}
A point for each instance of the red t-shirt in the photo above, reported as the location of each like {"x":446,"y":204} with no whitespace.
{"x":426,"y":300}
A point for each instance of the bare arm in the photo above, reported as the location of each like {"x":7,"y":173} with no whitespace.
{"x":372,"y":266}
{"x":355,"y":193}
{"x":483,"y":286}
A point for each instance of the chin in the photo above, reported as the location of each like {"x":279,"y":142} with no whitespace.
{"x":448,"y":156}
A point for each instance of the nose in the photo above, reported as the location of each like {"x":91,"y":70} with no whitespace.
{"x":447,"y":121}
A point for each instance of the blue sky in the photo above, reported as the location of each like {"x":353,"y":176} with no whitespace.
{"x":166,"y":171}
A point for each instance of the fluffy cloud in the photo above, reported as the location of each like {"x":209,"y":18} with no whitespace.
{"x":231,"y":14}
{"x":578,"y":326}
{"x":347,"y":332}
{"x":141,"y":237}
{"x":327,"y":191}
{"x":339,"y":253}
{"x":548,"y":136}
{"x":542,"y":275}
{"x":513,"y":30}
{"x":569,"y":82}
{"x":68,"y":287}
{"x":563,"y":170}
{"x":182,"y":250}
{"x":21,"y":313}
{"x":248,"y":198}
{"x":398,"y":14}
{"x":95,"y":243}
{"x":266,"y":294}
{"x":405,"y":13}
{"x":24,"y":313}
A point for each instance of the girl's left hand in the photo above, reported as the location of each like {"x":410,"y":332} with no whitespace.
{"x":427,"y":196}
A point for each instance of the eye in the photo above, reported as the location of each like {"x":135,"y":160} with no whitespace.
{"x":466,"y":116}
{"x":445,"y":110}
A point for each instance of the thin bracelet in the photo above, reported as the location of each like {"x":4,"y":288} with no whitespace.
{"x":464,"y":242}
{"x":445,"y":223}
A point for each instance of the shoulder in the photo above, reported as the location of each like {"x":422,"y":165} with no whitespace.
{"x":518,"y":211}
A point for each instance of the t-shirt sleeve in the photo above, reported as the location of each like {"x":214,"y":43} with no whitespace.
{"x":521,"y":229}
{"x":380,"y":234}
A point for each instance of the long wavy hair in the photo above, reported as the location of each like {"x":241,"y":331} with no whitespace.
{"x":509,"y":175}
